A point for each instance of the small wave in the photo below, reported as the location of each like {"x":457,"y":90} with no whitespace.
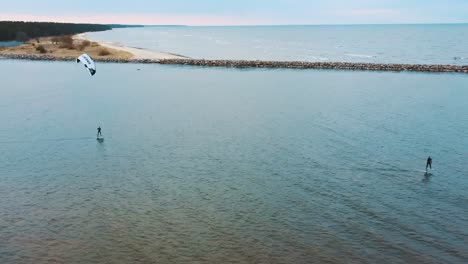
{"x":314,"y":58}
{"x":360,"y":55}
{"x":460,"y":58}
{"x":118,"y":44}
{"x":176,"y":54}
{"x":45,"y":140}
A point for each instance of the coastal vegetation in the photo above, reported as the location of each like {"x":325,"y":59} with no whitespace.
{"x":41,"y":49}
{"x":24,"y":31}
{"x":66,"y":46}
{"x":104,"y":52}
{"x":66,"y":42}
{"x":84,"y":44}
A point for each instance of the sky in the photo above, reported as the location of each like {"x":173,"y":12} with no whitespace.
{"x":237,"y":12}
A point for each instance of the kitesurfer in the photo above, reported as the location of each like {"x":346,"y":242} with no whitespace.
{"x":99,"y":131}
{"x":429,"y":163}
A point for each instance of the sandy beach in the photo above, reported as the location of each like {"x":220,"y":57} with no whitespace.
{"x":54,"y":46}
{"x":138,"y":53}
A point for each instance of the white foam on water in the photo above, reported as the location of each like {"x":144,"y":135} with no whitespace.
{"x":360,"y":55}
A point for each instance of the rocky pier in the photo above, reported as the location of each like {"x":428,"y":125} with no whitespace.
{"x":264,"y":64}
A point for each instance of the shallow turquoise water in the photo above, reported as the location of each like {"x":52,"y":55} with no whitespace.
{"x":417,"y":44}
{"x":10,"y":43}
{"x":231,"y":166}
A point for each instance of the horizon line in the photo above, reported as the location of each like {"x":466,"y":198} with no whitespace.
{"x":243,"y":25}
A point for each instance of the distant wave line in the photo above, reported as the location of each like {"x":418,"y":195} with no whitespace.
{"x":360,"y":55}
{"x":45,"y":140}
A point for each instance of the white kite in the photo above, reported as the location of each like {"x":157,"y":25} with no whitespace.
{"x":87,"y":62}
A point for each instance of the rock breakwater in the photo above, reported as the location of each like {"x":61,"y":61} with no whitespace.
{"x":264,"y":64}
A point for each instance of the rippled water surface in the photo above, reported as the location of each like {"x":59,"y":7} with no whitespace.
{"x":10,"y":43}
{"x":231,"y":166}
{"x":423,"y":44}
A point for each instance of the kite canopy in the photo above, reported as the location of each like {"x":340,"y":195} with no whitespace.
{"x":87,"y":62}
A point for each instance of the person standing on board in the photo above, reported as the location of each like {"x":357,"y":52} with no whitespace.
{"x":99,"y":132}
{"x":429,"y":163}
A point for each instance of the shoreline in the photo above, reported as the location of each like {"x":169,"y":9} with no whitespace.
{"x":123,"y":54}
{"x":138,"y":53}
{"x":435,"y":68}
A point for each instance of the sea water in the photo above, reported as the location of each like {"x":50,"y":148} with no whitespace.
{"x":416,"y":44}
{"x":217,"y":165}
{"x":10,"y":43}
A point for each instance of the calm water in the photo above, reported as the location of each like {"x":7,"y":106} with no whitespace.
{"x":425,"y":44}
{"x":10,"y":43}
{"x":231,"y":166}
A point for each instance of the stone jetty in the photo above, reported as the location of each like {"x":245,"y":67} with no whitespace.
{"x":264,"y":64}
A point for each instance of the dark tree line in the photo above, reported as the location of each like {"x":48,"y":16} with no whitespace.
{"x":23,"y":31}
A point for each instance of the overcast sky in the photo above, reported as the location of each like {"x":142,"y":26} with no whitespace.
{"x":237,"y":12}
